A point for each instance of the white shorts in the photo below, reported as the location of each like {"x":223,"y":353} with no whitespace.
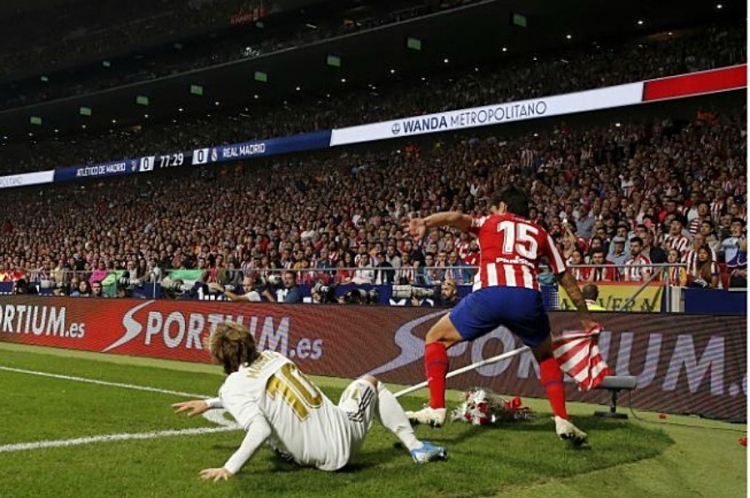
{"x":359,"y":401}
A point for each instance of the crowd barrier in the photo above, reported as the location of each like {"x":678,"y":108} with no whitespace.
{"x":653,"y":297}
{"x":684,"y":364}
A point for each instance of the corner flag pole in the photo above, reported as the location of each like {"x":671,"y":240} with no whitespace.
{"x":467,"y":368}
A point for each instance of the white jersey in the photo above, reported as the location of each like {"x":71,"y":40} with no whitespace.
{"x":276,"y":403}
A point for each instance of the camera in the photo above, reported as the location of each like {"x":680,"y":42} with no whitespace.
{"x":361,"y":296}
{"x":174,"y":288}
{"x":411,"y":292}
{"x":327,"y":293}
{"x":126,"y":280}
{"x":24,"y":287}
{"x":275,"y":281}
{"x":260,"y":284}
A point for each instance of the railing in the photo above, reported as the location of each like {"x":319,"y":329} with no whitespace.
{"x":361,"y":285}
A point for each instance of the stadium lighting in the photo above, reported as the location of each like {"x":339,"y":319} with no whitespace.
{"x":393,"y":71}
{"x":617,"y":125}
{"x":719,"y":6}
{"x":343,"y":80}
{"x":83,"y":126}
{"x":298,"y":89}
{"x":424,"y":79}
{"x":535,"y":59}
{"x":640,"y":22}
{"x":145,"y":116}
{"x":57,"y":131}
{"x":180,"y":109}
{"x":255,"y":96}
{"x":216,"y":103}
{"x":114,"y":121}
{"x":505,"y":49}
{"x":569,"y":37}
{"x":445,"y":61}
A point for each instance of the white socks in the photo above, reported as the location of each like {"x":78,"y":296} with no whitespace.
{"x":392,"y":416}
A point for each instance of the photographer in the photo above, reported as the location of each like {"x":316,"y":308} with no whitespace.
{"x":361,"y":297}
{"x":291,"y":292}
{"x":255,"y":291}
{"x":448,"y":296}
{"x":323,"y":294}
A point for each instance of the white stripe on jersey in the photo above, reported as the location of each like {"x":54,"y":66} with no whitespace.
{"x":510,"y":276}
{"x":492,"y":273}
{"x":528,"y":278}
{"x":558,"y":265}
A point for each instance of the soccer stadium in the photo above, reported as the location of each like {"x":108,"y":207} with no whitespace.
{"x":419,"y":248}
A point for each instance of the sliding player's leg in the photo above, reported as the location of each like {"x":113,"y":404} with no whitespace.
{"x":367,"y":397}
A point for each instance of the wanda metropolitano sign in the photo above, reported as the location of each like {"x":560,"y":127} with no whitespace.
{"x":684,"y":364}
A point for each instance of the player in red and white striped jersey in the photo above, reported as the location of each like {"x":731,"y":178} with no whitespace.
{"x":506,"y":293}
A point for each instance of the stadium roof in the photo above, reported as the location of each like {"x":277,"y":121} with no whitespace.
{"x":460,"y":37}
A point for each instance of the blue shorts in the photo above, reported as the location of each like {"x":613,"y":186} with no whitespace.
{"x":519,"y":309}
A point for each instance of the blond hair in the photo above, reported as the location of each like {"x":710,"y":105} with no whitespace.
{"x":232,"y":345}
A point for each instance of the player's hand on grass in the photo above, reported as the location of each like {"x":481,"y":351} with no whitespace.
{"x":194,"y":407}
{"x":220,"y":474}
{"x":416,"y":227}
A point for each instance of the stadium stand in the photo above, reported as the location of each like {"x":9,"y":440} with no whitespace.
{"x":594,"y":186}
{"x":495,"y":84}
{"x":180,"y":53}
{"x":284,"y":214}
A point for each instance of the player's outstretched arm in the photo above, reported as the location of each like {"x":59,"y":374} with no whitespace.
{"x":568,"y":282}
{"x":455,"y":219}
{"x":194,"y":407}
{"x":258,"y":431}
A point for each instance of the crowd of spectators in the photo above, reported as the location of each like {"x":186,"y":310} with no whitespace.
{"x":184,"y":54}
{"x":654,"y":191}
{"x":62,"y":35}
{"x":497,"y":83}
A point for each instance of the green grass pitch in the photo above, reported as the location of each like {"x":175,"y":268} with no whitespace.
{"x":677,"y":457}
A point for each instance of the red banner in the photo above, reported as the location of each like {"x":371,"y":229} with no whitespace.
{"x":684,"y":364}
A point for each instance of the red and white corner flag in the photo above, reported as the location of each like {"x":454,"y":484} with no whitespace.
{"x":578,"y":355}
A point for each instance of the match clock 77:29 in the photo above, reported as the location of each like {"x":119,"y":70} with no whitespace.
{"x":171,"y":160}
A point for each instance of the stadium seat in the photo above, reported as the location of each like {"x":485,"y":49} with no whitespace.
{"x":614,"y":384}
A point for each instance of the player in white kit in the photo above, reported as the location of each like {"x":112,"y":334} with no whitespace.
{"x":276,"y":403}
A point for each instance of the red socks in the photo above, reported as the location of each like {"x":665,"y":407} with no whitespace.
{"x":552,"y":380}
{"x":436,"y":367}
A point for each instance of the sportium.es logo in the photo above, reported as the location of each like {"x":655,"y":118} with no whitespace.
{"x":177,"y":329}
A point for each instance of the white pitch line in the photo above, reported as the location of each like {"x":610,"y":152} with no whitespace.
{"x":215,"y":417}
{"x":113,"y":437}
{"x":104,"y":382}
